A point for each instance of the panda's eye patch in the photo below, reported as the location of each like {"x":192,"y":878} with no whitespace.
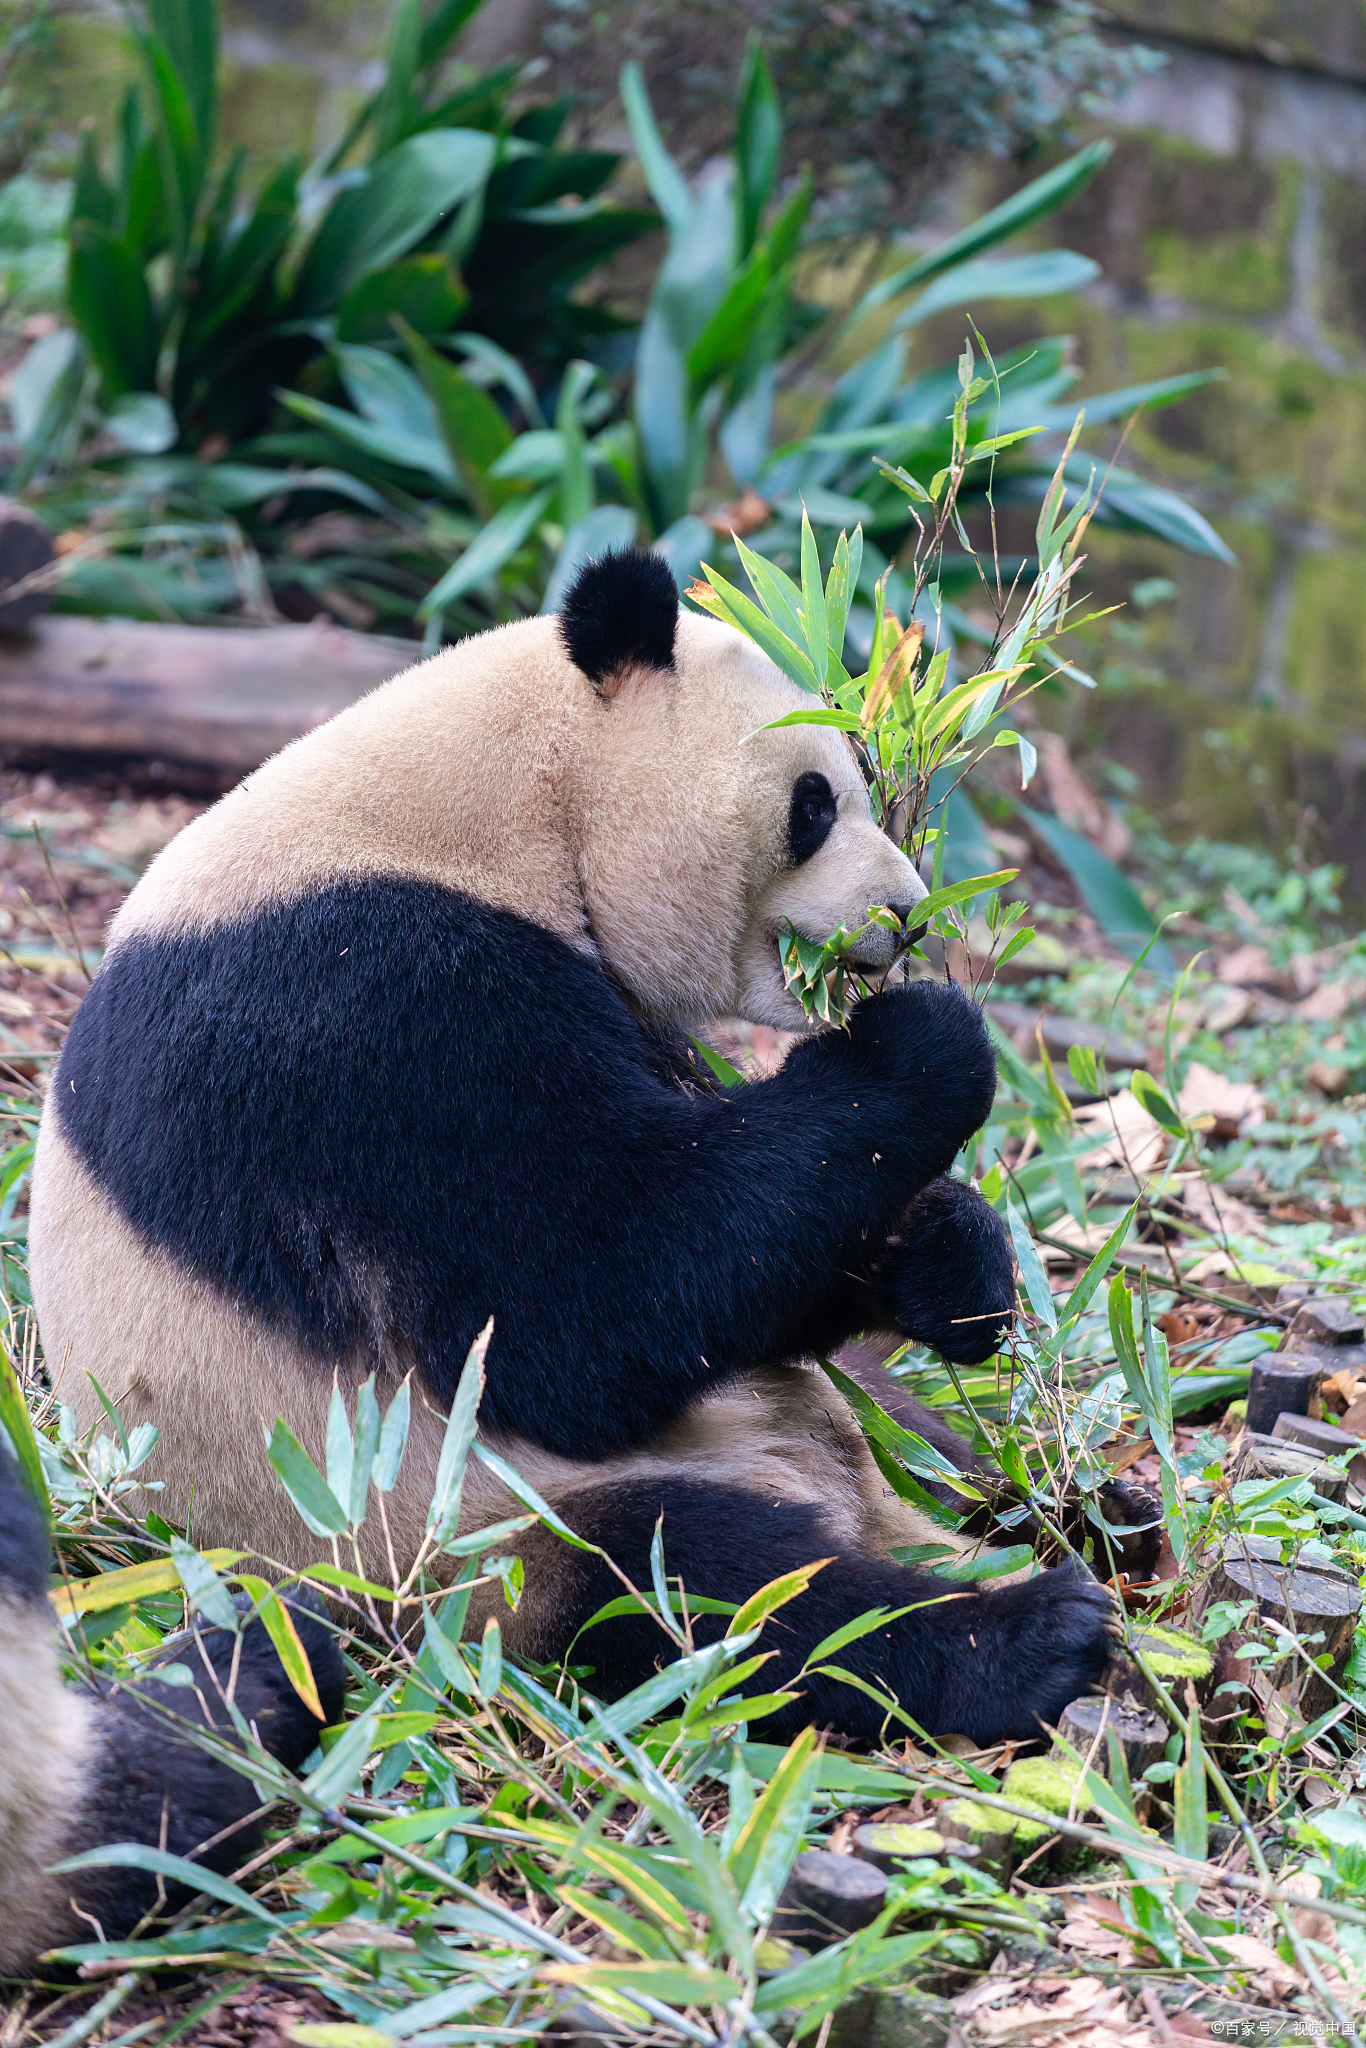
{"x":813,"y":812}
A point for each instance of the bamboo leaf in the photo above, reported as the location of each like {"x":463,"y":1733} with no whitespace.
{"x":1032,"y":1274}
{"x":279,"y":1626}
{"x":443,"y":1514}
{"x":303,"y":1482}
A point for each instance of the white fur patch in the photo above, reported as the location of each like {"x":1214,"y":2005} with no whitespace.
{"x":46,"y":1745}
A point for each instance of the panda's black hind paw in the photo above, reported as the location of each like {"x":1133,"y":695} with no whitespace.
{"x":1037,"y":1646}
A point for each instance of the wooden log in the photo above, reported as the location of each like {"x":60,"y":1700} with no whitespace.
{"x":1174,"y":1658}
{"x":1312,"y":1600}
{"x":213,"y":700}
{"x":893,"y":2016}
{"x":1088,"y":1724}
{"x":1327,"y":1319}
{"x":1329,"y":1358}
{"x":890,"y":1844}
{"x":1324,"y":1437}
{"x":1270,"y":1458}
{"x":25,"y":550}
{"x":826,"y":1897}
{"x":1281,"y":1384}
{"x":983,"y":1830}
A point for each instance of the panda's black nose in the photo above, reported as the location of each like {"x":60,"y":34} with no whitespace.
{"x":903,"y":911}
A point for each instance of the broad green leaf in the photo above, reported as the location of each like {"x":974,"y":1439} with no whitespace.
{"x":490,"y":549}
{"x":111,"y":305}
{"x":427,"y":1824}
{"x":959,"y":892}
{"x":279,"y":1626}
{"x":1036,"y":276}
{"x":1081,"y":1062}
{"x":336,"y":1575}
{"x":304,"y":1483}
{"x":777,"y":593}
{"x":887,"y":1435}
{"x":423,"y":293}
{"x":527,"y":1494}
{"x":627,"y":1714}
{"x":865,"y":1624}
{"x":1032,"y":1274}
{"x":370,"y":225}
{"x":668,"y":187}
{"x":788,"y":1785}
{"x":339,"y":1771}
{"x":813,"y":603}
{"x":991,"y":1564}
{"x":475,"y":431}
{"x":758,"y":144}
{"x":726,"y":1074}
{"x":1042,"y":196}
{"x":366,"y":1445}
{"x":1191,"y":1835}
{"x":672,"y":1982}
{"x":443,"y":1515}
{"x":425,"y":452}
{"x":843,"y":721}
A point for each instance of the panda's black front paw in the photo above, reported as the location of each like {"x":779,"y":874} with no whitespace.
{"x":947,"y":1277}
{"x":1128,"y":1505}
{"x":1034,"y":1648}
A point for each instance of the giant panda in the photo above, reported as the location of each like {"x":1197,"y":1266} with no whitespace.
{"x":387,"y":1043}
{"x":82,"y":1766}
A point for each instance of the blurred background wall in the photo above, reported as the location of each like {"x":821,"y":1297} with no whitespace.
{"x":1231,"y":226}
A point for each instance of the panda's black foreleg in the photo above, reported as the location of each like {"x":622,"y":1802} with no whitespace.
{"x":985,"y":1665}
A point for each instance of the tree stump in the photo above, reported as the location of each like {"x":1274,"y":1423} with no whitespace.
{"x":1312,"y":1600}
{"x":1281,"y":1384}
{"x":25,"y":548}
{"x":826,"y":1897}
{"x":1324,"y":1437}
{"x":1271,"y":1458}
{"x":890,"y":1845}
{"x":1174,"y":1658}
{"x":1088,"y":1724}
{"x":1326,"y":1319}
{"x":989,"y":1834}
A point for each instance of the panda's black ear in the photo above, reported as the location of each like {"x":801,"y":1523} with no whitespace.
{"x":620,"y":612}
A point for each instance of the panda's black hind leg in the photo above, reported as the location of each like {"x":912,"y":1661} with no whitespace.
{"x":988,"y":1666}
{"x":152,"y":1785}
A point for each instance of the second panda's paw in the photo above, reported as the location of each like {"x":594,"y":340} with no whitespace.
{"x":1129,"y":1505}
{"x":947,"y":1277}
{"x":1032,"y":1649}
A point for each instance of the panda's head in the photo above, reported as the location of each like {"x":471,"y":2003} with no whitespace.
{"x":700,"y":836}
